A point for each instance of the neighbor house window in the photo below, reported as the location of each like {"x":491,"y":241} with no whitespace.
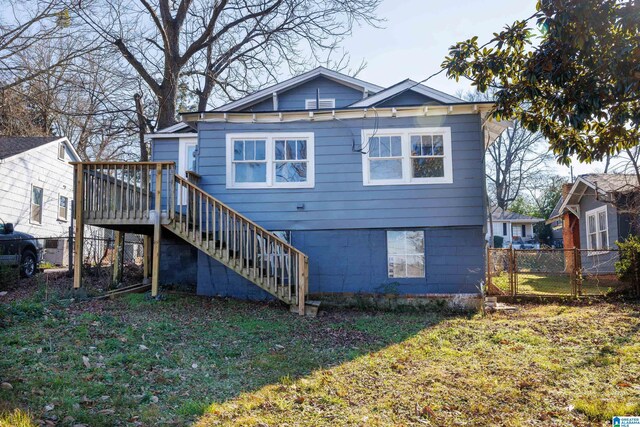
{"x":504,"y":228}
{"x":597,"y":229}
{"x":63,"y":208}
{"x":310,"y":104}
{"x":405,"y":254}
{"x":407,"y":156}
{"x":270,"y":160}
{"x":61,"y":151}
{"x":36,"y":205}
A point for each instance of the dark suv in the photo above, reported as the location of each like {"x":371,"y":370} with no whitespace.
{"x":19,"y":249}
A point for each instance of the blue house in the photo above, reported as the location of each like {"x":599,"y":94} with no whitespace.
{"x":382,"y":188}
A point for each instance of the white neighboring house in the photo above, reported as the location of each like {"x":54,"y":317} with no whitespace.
{"x":510,"y":226}
{"x":36,"y":189}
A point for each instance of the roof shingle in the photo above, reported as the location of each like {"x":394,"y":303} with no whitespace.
{"x":12,"y":145}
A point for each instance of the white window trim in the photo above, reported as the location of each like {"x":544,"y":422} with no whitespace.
{"x":595,"y":212}
{"x":424,"y":266}
{"x":62,"y":144}
{"x":270,"y":137}
{"x":405,"y":136}
{"x":68,"y":205}
{"x":308,"y":103}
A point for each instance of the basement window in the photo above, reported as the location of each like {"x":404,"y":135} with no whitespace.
{"x":405,"y":254}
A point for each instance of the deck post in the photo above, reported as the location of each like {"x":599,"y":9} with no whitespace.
{"x":156,"y":233}
{"x":303,"y":276}
{"x":118,"y":258}
{"x":146,"y":258}
{"x":79,"y":235}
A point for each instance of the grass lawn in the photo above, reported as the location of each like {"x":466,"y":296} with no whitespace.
{"x":556,"y":284}
{"x":184,"y":360}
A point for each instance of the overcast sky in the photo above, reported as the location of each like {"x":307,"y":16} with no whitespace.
{"x":416,"y":37}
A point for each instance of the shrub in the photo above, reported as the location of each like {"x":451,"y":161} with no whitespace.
{"x":628,"y":267}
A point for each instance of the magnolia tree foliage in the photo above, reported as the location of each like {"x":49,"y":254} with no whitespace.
{"x":570,"y":71}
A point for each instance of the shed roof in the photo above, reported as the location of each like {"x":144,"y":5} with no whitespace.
{"x":12,"y":145}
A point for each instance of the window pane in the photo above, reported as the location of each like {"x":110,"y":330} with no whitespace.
{"x":280,"y":154}
{"x":438,"y":145}
{"x":591,"y":219}
{"x":385,"y":146}
{"x":415,"y":266}
{"x":37,"y":196}
{"x":415,"y":242}
{"x":426,"y":145}
{"x":396,"y":146}
{"x":260,"y":150}
{"x":63,"y":202}
{"x":291,"y":150}
{"x":251,"y":172}
{"x":397,"y":266}
{"x":415,"y":145}
{"x":428,"y":167}
{"x":191,"y":159}
{"x":249,"y":150}
{"x":302,"y":149}
{"x":593,"y":238}
{"x":238,"y":150}
{"x":385,"y":169}
{"x":291,"y":172}
{"x":374,"y":147}
{"x":395,"y":242}
{"x":602,"y":221}
{"x":604,"y":240}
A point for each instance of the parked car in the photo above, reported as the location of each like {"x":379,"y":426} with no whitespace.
{"x":19,"y":250}
{"x":520,"y":243}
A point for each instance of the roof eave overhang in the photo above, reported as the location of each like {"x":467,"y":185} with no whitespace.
{"x":332,"y":114}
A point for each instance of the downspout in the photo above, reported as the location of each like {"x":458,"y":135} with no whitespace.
{"x":486,"y":192}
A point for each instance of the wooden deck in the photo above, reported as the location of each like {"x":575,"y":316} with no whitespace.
{"x":149,"y":197}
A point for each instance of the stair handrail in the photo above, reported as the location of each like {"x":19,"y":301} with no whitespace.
{"x":244,"y":218}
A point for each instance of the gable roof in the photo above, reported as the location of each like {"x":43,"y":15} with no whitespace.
{"x":403,"y":86}
{"x":298,"y":80}
{"x":499,"y":214}
{"x":13,"y":145}
{"x":605,"y":184}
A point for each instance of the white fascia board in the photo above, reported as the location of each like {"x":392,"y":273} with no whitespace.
{"x":403,"y":86}
{"x":172,"y":128}
{"x":171,"y":135}
{"x":294,"y":81}
{"x":579,"y":182}
{"x":350,"y":113}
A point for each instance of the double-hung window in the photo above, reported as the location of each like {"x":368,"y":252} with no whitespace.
{"x":597,"y":229}
{"x":63,"y":208}
{"x":405,"y":254}
{"x":407,"y":156}
{"x":270,"y":160}
{"x":36,"y":205}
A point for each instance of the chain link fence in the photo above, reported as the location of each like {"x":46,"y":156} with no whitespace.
{"x":552,"y":272}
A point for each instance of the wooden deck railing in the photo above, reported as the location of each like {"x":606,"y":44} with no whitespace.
{"x":120,"y":192}
{"x":137,"y":193}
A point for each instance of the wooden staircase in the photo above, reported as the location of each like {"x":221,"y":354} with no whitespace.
{"x":146,"y":197}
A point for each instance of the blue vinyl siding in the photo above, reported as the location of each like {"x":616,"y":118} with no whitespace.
{"x":355,"y":261}
{"x":294,"y":98}
{"x":408,"y":98}
{"x":165,"y":150}
{"x":339,"y":199}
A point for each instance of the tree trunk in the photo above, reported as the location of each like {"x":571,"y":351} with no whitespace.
{"x":142,"y":128}
{"x":167,"y":103}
